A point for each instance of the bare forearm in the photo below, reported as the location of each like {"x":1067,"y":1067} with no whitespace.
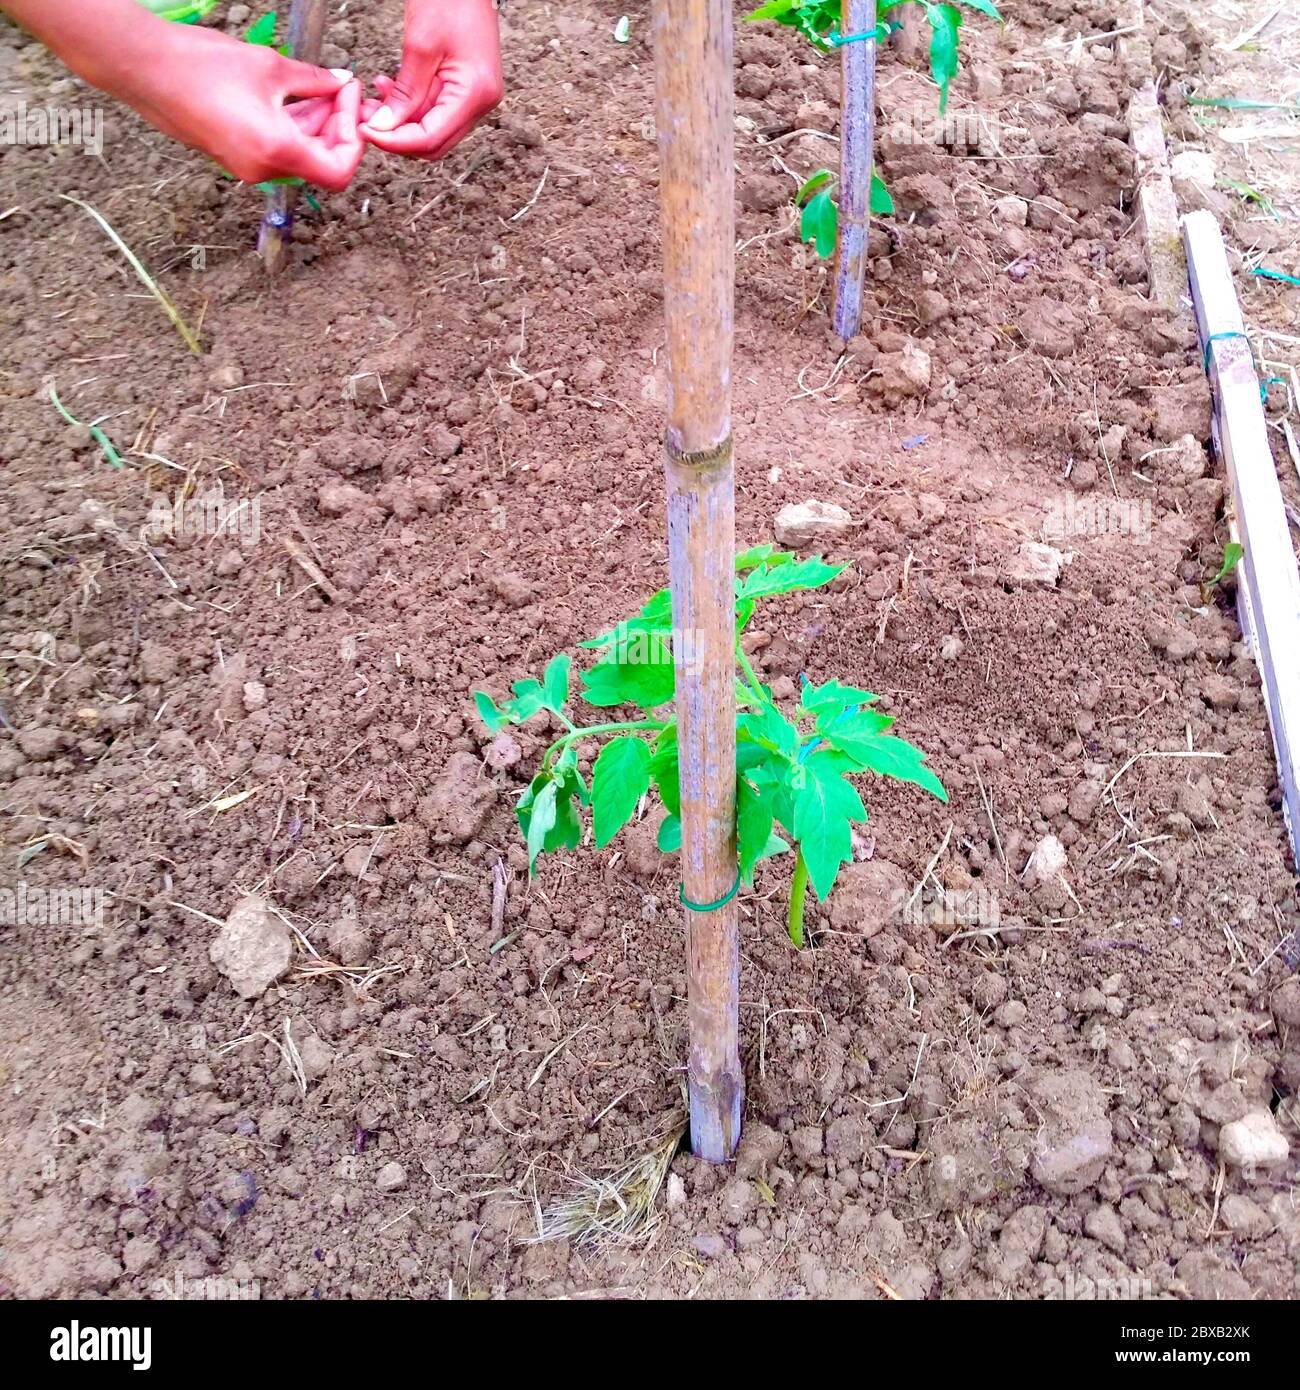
{"x":110,"y":43}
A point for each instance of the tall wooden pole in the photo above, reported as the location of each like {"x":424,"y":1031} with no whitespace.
{"x":305,"y":35}
{"x":694,"y":114}
{"x":857,"y":137}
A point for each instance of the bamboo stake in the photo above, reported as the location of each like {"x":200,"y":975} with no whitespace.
{"x":857,"y":136}
{"x":694,"y":113}
{"x":306,"y":32}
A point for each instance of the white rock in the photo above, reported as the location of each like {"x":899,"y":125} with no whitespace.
{"x":391,"y":1178}
{"x":254,"y":947}
{"x":1035,"y":563}
{"x":1012,"y":210}
{"x":1254,"y":1141}
{"x":676,"y":1192}
{"x":1048,"y":860}
{"x":806,"y":523}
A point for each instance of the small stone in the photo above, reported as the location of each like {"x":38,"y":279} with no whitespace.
{"x":868,"y":896}
{"x":811,"y":522}
{"x":1035,"y":563}
{"x":931,"y":306}
{"x":1083,"y":801}
{"x":254,"y":948}
{"x":254,"y":694}
{"x":230,"y":563}
{"x":316,"y":1056}
{"x":1103,"y":1224}
{"x":1242,"y":1217}
{"x":1074,"y":1141}
{"x":39,"y":744}
{"x":391,"y":1178}
{"x":710,"y":1246}
{"x":1012,"y":210}
{"x":335,"y":499}
{"x":676,"y":1192}
{"x":1253,"y":1142}
{"x":950,"y":648}
{"x":226,"y":377}
{"x":1286,"y":1002}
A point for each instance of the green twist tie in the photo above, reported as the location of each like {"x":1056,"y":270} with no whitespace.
{"x":882,"y":31}
{"x":1217,"y":337}
{"x":708,"y":907}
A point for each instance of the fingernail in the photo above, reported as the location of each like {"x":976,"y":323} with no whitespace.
{"x":383,"y":119}
{"x":343,"y":74}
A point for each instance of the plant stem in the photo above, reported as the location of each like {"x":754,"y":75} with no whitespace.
{"x":592,"y":729}
{"x":798,"y":892}
{"x":755,"y":684}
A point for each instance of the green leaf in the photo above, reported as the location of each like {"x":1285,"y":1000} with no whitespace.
{"x":1232,"y":553}
{"x":984,"y":7}
{"x":262,"y":31}
{"x":770,"y":729}
{"x":819,"y":223}
{"x":541,"y":821}
{"x":891,"y":756}
{"x":832,"y":697}
{"x":825,"y":804}
{"x":775,"y":845}
{"x":881,"y":200}
{"x":821,"y":177}
{"x":669,"y":838}
{"x":761,"y":554}
{"x":529,"y":698}
{"x":767,"y":580}
{"x":852,"y":731}
{"x":945,"y":20}
{"x":619,"y":779}
{"x":665,"y":771}
{"x":495,"y":719}
{"x":753,"y":827}
{"x":645,"y":684}
{"x":774,"y":9}
{"x":556,"y":682}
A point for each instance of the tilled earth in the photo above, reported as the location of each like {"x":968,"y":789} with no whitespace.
{"x":444,"y":422}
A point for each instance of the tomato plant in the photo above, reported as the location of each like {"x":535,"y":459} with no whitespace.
{"x":793,"y":791}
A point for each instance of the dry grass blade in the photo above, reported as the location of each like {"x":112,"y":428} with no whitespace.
{"x":147,"y":280}
{"x":620,"y":1208}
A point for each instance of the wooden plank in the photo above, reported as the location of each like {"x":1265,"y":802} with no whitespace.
{"x":1157,"y":206}
{"x":1267,"y":576}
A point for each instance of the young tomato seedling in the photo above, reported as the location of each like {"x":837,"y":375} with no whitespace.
{"x":792,"y":771}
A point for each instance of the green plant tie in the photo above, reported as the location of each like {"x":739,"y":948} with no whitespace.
{"x":1218,"y":337}
{"x":881,"y":31}
{"x":708,"y":907}
{"x":1277,"y":275}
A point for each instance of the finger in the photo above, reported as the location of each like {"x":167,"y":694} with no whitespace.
{"x":342,"y":128}
{"x":311,"y":116}
{"x":317,"y":160}
{"x":450,"y":120}
{"x":369,"y":107}
{"x":406,"y":95}
{"x":305,"y":80}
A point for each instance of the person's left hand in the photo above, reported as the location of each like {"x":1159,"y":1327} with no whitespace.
{"x":449,"y":79}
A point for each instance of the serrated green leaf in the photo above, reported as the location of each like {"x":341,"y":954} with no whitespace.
{"x":529,"y":698}
{"x":555,"y":681}
{"x":818,"y":180}
{"x":619,"y":779}
{"x":541,"y":821}
{"x":665,"y":771}
{"x":766,"y":580}
{"x":891,"y":756}
{"x":853,"y":731}
{"x":819,"y":223}
{"x":880,"y":200}
{"x":831,"y":697}
{"x":825,"y":805}
{"x":945,"y":21}
{"x":262,"y":30}
{"x":762,"y":554}
{"x":753,"y":827}
{"x":770,"y":729}
{"x":646,"y":684}
{"x":773,"y":9}
{"x":669,"y":838}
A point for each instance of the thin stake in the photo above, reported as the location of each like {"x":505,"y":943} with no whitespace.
{"x":857,"y":126}
{"x":694,"y":113}
{"x":305,"y":34}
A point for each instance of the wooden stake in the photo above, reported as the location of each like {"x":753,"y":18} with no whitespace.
{"x":1267,"y":578}
{"x":694,"y":113}
{"x":857,"y":138}
{"x":306,"y":32}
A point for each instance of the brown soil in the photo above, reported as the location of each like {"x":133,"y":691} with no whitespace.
{"x":1031,"y":1110}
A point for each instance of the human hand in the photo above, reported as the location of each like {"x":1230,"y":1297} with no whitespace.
{"x":449,"y":78}
{"x":228,"y":99}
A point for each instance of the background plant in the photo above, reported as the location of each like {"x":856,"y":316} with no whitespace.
{"x":793,"y":791}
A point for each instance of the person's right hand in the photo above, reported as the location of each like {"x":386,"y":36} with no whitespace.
{"x":227,"y":98}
